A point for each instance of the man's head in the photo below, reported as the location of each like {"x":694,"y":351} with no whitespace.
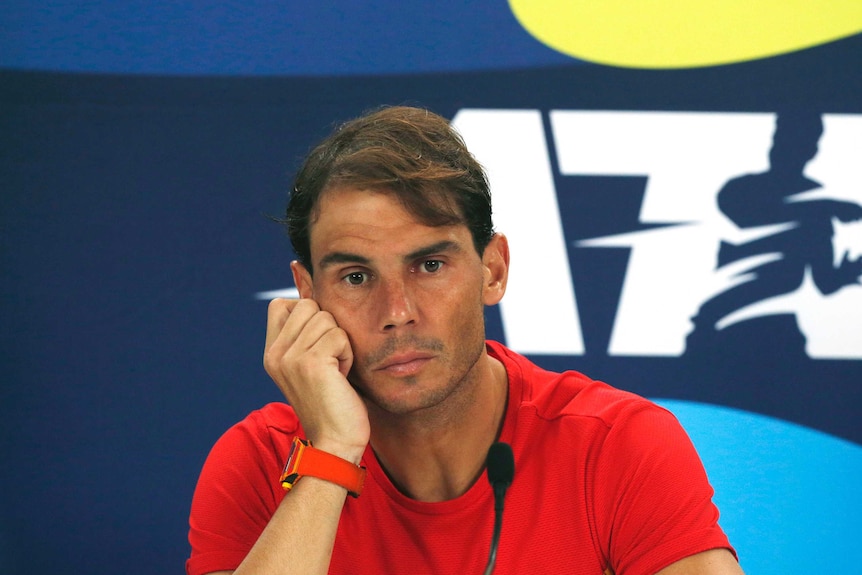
{"x":411,"y":153}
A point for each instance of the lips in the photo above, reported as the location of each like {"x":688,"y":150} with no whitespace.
{"x":405,"y":363}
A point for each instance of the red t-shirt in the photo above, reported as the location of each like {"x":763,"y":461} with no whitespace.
{"x":604,"y":480}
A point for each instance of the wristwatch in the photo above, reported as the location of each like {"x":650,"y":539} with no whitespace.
{"x":304,"y":459}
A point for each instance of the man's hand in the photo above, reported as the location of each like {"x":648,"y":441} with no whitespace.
{"x":308,"y":357}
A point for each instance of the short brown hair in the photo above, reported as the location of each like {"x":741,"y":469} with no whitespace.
{"x":409,"y":152}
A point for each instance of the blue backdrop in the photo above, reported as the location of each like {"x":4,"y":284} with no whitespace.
{"x":144,"y":147}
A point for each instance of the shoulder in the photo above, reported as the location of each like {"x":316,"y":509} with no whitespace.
{"x":264,"y":434}
{"x":570,"y":393}
{"x":275,"y":418}
{"x":272,"y":418}
{"x":248,"y":456}
{"x":238,"y":488}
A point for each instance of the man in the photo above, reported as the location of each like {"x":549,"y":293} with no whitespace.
{"x":388,"y":377}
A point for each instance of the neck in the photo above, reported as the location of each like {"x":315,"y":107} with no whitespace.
{"x":438,"y":454}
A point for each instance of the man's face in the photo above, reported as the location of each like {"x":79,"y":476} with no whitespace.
{"x":411,"y":297}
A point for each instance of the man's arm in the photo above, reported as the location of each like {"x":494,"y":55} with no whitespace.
{"x":712,"y":562}
{"x":308,"y":357}
{"x":301,"y":533}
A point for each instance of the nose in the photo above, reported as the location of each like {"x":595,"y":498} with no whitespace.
{"x":397,"y":308}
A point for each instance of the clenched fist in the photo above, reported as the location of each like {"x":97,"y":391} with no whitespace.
{"x":308,"y":357}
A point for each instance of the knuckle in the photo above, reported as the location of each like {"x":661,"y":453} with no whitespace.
{"x":276,"y":305}
{"x":327,"y":319}
{"x":307,"y":305}
{"x":271,"y":360}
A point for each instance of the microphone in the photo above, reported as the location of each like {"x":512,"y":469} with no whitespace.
{"x":501,"y":470}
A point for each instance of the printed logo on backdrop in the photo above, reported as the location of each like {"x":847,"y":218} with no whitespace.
{"x":749,"y":228}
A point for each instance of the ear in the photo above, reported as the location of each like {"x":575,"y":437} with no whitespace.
{"x":302,"y":279}
{"x":496,"y":263}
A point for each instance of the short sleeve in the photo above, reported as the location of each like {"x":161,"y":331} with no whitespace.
{"x":654,"y":497}
{"x":236,"y":494}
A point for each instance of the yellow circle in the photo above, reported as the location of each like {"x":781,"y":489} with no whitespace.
{"x":685,"y":33}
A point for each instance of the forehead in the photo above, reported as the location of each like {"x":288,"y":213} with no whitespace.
{"x":354,"y":220}
{"x":344,"y":208}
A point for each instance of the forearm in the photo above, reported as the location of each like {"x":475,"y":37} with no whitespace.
{"x":308,"y":357}
{"x":300,"y":536}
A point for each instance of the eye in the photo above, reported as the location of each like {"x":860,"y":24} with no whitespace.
{"x":356,"y":278}
{"x":431,"y":266}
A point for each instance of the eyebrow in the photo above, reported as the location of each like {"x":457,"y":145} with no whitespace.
{"x":343,"y":258}
{"x":444,"y":246}
{"x":335,"y":258}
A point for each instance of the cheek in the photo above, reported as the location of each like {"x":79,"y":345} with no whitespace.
{"x":349,"y":313}
{"x":351,"y":319}
{"x":463,"y":308}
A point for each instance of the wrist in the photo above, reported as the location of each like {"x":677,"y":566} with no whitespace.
{"x":307,"y":460}
{"x":349,"y":452}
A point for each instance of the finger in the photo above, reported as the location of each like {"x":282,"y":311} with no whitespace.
{"x":299,"y":332}
{"x":311,"y":328}
{"x":277,"y":313}
{"x":285,"y":321}
{"x":288,"y":320}
{"x":335,"y":343}
{"x":323,"y":339}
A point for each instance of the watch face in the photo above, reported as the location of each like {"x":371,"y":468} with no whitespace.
{"x":293,"y":451}
{"x":290,"y":474}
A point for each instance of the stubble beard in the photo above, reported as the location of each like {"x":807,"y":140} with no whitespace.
{"x":437,"y":403}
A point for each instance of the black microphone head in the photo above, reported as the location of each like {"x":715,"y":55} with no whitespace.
{"x":501,"y":464}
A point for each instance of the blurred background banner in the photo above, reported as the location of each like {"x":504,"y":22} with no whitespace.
{"x":682,"y":189}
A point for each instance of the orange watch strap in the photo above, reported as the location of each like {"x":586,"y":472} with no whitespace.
{"x":305,"y":459}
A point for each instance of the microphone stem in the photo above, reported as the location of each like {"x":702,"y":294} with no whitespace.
{"x":501,"y":470}
{"x":499,"y":493}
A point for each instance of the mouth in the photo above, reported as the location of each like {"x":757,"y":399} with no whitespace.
{"x":405,"y":364}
